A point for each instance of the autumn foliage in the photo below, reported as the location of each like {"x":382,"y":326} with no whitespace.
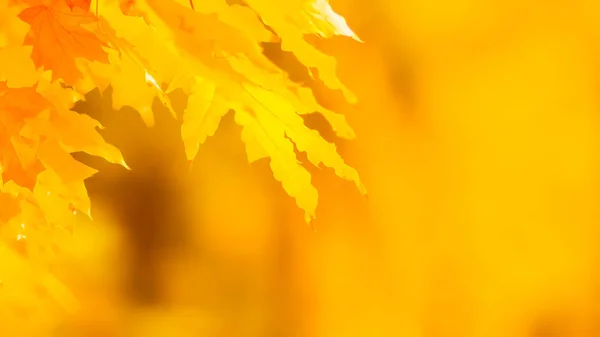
{"x":53,"y":52}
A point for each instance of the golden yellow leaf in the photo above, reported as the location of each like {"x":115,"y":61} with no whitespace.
{"x":264,"y":137}
{"x":294,"y":19}
{"x":56,"y":158}
{"x":202,"y":116}
{"x":274,"y":113}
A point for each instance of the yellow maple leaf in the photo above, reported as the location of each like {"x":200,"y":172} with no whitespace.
{"x":265,"y":104}
{"x":202,"y":116}
{"x":272,"y":128}
{"x":293,"y":19}
{"x":265,"y":139}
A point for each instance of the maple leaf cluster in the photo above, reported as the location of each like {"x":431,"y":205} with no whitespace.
{"x":53,"y":52}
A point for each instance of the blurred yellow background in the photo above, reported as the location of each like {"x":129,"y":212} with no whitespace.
{"x":478,"y":141}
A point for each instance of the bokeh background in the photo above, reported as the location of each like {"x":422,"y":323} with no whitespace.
{"x":478,"y":140}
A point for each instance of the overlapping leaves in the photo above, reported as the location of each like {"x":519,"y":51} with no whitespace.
{"x":52,"y":52}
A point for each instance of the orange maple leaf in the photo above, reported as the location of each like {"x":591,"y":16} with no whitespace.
{"x":13,"y":169}
{"x":17,"y":105}
{"x":58,"y":38}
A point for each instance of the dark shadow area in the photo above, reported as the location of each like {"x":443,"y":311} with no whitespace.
{"x":147,"y":199}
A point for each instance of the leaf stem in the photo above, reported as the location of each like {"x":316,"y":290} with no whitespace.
{"x":192,"y":4}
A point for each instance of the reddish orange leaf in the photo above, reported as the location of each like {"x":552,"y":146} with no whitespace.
{"x":58,"y":38}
